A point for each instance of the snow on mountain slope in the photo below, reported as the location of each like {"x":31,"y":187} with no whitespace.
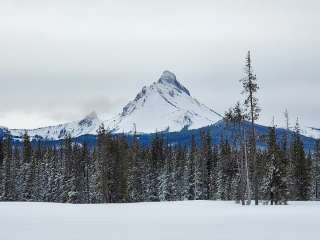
{"x":166,"y":105}
{"x":311,"y":132}
{"x":88,"y":125}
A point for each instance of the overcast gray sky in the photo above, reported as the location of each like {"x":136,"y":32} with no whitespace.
{"x":59,"y":60}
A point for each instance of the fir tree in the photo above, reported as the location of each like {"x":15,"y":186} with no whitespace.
{"x":104,"y":167}
{"x":235,"y":118}
{"x":250,"y":88}
{"x":27,"y":149}
{"x":8,"y":186}
{"x":190,"y":171}
{"x":274,"y":182}
{"x":1,"y":153}
{"x":317,"y":170}
{"x":301,"y":168}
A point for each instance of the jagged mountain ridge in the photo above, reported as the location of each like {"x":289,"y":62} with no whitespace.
{"x":165,"y":105}
{"x":87,"y":125}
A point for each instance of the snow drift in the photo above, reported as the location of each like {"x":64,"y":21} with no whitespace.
{"x":165,"y":220}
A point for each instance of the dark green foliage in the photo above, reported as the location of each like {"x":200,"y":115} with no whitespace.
{"x":27,"y":150}
{"x":316,"y":171}
{"x":274,"y":185}
{"x":227,"y":173}
{"x":8,"y":179}
{"x":250,"y":88}
{"x":190,"y":172}
{"x":1,"y":152}
{"x":301,"y":169}
{"x":118,"y":171}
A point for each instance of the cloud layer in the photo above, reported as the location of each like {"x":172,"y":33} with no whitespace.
{"x":61,"y":60}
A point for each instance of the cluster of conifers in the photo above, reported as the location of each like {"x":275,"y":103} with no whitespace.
{"x":114,"y":170}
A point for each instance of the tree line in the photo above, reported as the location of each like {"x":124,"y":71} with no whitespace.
{"x":115,"y":170}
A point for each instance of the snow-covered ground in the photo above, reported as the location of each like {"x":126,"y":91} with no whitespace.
{"x":151,"y":221}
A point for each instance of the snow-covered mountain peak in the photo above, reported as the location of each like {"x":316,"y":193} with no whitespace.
{"x":167,"y":86}
{"x":90,"y":119}
{"x":170,"y":78}
{"x":165,"y":105}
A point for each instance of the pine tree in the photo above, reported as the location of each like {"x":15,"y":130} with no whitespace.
{"x":227,"y":171}
{"x":120,"y":169}
{"x":214,"y":171}
{"x":54,"y":176}
{"x":135,"y":173}
{"x":1,"y":166}
{"x":85,"y":167}
{"x":250,"y":87}
{"x":1,"y":153}
{"x":178,"y":170}
{"x":16,"y":175}
{"x":205,"y":164}
{"x":104,"y":166}
{"x":156,"y":160}
{"x":317,"y":170}
{"x":8,"y":186}
{"x":301,"y":168}
{"x":190,"y":171}
{"x":68,"y":166}
{"x":27,"y":149}
{"x":275,"y":179}
{"x":235,"y":118}
{"x":198,"y":179}
{"x":167,"y":178}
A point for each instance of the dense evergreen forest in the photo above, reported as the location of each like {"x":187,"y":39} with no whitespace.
{"x":116,"y":170}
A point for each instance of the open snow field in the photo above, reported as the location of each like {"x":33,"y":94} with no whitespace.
{"x":151,"y":221}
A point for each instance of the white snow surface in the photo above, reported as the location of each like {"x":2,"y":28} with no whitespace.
{"x":166,"y":105}
{"x":205,"y":220}
{"x":311,"y":132}
{"x":88,"y":125}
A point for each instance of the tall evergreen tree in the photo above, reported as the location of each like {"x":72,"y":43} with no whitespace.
{"x":235,"y":118}
{"x":8,"y":186}
{"x":1,"y":153}
{"x":301,"y":168}
{"x":104,"y":166}
{"x":250,"y":88}
{"x":275,"y":179}
{"x":226,"y":172}
{"x":190,"y":171}
{"x":316,"y":168}
{"x":27,"y":149}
